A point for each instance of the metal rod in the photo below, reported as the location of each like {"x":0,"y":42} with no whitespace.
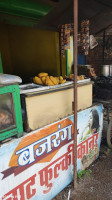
{"x":75,"y":89}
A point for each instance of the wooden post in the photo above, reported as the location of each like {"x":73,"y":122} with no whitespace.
{"x":75,"y":89}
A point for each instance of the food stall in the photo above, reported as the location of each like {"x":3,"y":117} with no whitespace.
{"x":39,"y":163}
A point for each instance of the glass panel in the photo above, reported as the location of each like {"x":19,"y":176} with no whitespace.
{"x":7,"y":116}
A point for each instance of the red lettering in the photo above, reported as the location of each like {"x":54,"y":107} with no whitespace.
{"x":56,"y":168}
{"x":19,"y":191}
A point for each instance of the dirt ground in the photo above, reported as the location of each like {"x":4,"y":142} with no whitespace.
{"x":98,"y":186}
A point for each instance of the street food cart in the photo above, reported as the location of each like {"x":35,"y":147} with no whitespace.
{"x":39,"y":163}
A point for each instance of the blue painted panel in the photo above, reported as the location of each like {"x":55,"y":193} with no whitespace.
{"x":81,"y":59}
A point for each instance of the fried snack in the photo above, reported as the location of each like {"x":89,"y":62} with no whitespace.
{"x":48,"y":81}
{"x":57,"y":78}
{"x":34,"y":80}
{"x":62,"y":81}
{"x":81,"y":77}
{"x":42,"y":74}
{"x":78,"y":78}
{"x":71,"y":76}
{"x":43,"y":79}
{"x":60,"y":78}
{"x":68,"y":78}
{"x":54,"y":80}
{"x":37,"y":80}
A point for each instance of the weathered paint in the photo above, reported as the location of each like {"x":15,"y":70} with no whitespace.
{"x":40,"y":164}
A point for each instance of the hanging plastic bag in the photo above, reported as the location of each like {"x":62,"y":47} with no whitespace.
{"x":93,"y":42}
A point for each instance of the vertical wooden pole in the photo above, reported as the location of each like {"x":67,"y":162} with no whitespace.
{"x":75,"y":89}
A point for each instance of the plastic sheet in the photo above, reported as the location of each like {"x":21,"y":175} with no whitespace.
{"x":7,"y":79}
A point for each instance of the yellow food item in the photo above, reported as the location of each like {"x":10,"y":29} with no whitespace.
{"x":54,"y":80}
{"x":34,"y":80}
{"x":43,"y":79}
{"x":71,"y":76}
{"x":37,"y":80}
{"x":42,"y":74}
{"x":62,"y":81}
{"x":60,"y":78}
{"x":49,"y":82}
{"x":81,"y":77}
{"x":57,"y":78}
{"x":78,"y":78}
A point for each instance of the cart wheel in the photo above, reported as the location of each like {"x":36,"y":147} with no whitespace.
{"x":109,"y":134}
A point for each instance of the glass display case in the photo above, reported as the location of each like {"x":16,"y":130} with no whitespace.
{"x":10,"y":112}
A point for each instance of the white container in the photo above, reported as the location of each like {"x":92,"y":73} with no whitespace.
{"x":105,"y":70}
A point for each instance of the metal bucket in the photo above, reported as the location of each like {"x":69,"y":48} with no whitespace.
{"x":110,"y":70}
{"x":105,"y":70}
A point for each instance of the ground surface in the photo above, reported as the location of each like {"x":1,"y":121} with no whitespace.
{"x":99,"y":184}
